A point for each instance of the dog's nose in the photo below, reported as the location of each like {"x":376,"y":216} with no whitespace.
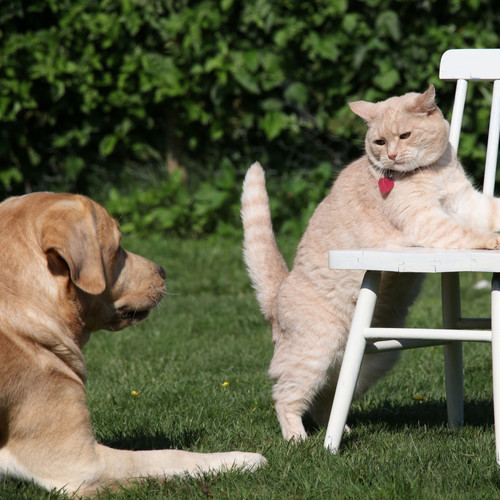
{"x":162,"y":273}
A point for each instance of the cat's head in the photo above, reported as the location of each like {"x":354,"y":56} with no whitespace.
{"x":404,"y":133}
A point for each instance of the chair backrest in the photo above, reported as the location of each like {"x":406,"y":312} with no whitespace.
{"x":465,"y":65}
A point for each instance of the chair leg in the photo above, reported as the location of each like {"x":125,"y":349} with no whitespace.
{"x":454,"y":383}
{"x":453,"y":364}
{"x":353,"y":358}
{"x":495,"y":352}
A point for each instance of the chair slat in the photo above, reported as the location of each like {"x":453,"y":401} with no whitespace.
{"x":458,"y":113}
{"x":470,"y":64}
{"x":492,"y":147}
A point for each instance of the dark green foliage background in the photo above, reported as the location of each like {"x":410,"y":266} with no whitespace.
{"x":95,"y":95}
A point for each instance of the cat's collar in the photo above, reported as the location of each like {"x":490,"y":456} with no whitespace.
{"x":386,"y":183}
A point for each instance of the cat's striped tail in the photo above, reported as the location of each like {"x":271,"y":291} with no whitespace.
{"x":265,"y":264}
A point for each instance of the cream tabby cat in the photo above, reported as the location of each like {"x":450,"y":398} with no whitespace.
{"x":428,"y":201}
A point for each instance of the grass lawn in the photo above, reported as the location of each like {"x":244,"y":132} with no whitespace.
{"x":198,"y":366}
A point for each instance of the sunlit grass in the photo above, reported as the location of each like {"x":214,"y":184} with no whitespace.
{"x":194,"y":376}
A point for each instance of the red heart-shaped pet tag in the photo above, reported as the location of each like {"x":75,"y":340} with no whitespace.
{"x":385,"y":184}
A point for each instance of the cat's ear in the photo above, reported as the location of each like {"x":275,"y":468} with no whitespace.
{"x":364,"y":109}
{"x":425,"y":103}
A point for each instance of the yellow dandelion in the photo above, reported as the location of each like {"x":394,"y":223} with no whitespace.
{"x":225,"y":384}
{"x":418,"y":397}
{"x":135,"y":393}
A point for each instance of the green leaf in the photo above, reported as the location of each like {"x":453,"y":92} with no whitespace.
{"x":247,"y":81}
{"x":297,"y":93}
{"x":74,"y":165}
{"x":165,"y":218}
{"x":271,"y":104}
{"x":107,"y":144}
{"x":387,"y":24}
{"x":387,"y":80}
{"x":273,"y":123}
{"x":33,"y":155}
{"x":252,"y":60}
{"x":10,"y":175}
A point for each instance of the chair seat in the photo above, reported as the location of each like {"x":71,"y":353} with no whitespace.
{"x":416,"y":260}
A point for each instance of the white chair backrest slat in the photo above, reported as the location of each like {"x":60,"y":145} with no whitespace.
{"x":458,"y":113}
{"x":470,"y":64}
{"x":475,"y":64}
{"x":492,"y":148}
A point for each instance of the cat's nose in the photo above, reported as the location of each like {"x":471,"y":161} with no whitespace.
{"x":392,"y":156}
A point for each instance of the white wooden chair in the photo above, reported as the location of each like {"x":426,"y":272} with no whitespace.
{"x":463,"y":66}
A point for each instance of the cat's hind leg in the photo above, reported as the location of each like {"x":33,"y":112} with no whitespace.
{"x":397,"y":293}
{"x":303,"y":357}
{"x":373,"y":368}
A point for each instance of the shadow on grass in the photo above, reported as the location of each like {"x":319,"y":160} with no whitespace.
{"x":418,"y":414}
{"x":158,"y":441}
{"x":423,"y":413}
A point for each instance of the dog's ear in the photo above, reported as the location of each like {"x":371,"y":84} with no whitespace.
{"x":69,"y":232}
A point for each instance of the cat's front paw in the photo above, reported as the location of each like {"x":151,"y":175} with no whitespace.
{"x":490,"y":242}
{"x":496,"y":242}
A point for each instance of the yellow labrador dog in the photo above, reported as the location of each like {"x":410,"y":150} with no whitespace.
{"x":64,"y":275}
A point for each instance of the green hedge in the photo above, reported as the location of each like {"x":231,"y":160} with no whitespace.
{"x":93,"y":91}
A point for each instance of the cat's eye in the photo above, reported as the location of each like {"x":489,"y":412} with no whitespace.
{"x":405,"y":135}
{"x":380,"y":142}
